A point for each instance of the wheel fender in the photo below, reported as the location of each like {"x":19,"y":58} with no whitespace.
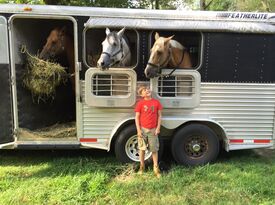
{"x":174,"y":122}
{"x":116,"y":128}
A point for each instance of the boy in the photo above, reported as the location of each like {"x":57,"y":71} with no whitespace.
{"x":148,"y":121}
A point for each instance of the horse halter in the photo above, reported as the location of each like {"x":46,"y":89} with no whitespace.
{"x":111,"y":56}
{"x":170,"y":56}
{"x":159,"y":66}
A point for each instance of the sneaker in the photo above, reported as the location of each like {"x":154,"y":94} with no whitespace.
{"x":157,"y":171}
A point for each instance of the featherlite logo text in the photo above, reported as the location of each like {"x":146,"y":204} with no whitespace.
{"x":243,"y":15}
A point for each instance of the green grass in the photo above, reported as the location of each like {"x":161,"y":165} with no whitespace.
{"x":95,"y":177}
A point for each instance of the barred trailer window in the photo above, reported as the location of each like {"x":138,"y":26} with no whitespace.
{"x":110,"y":85}
{"x":115,"y":87}
{"x":176,"y":86}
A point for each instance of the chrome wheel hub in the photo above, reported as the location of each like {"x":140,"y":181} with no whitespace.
{"x":132,"y":151}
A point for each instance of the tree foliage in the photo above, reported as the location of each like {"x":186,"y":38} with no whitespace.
{"x":233,"y":5}
{"x":95,"y":3}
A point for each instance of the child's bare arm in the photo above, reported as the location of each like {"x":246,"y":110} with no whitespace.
{"x":138,"y":124}
{"x":159,"y":122}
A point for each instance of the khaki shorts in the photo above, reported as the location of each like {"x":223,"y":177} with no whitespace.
{"x":148,"y":140}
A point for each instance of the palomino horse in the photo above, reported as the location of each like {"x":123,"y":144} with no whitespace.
{"x":166,"y":52}
{"x":115,"y":52}
{"x":60,"y":44}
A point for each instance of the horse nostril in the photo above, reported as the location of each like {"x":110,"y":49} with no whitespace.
{"x":100,"y":63}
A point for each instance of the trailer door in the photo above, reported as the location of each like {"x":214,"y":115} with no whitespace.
{"x":6,"y":117}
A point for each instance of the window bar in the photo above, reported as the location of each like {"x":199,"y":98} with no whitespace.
{"x":96,"y":85}
{"x":161,"y":86}
{"x":176,"y":88}
{"x":111,"y":85}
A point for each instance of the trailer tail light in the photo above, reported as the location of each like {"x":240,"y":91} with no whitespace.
{"x":88,"y":139}
{"x":256,"y":141}
{"x":27,"y":8}
{"x":236,"y":141}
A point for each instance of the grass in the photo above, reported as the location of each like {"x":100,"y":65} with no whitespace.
{"x":95,"y":177}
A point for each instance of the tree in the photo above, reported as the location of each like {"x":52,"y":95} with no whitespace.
{"x":256,"y":5}
{"x":154,"y":4}
{"x":22,"y":1}
{"x":95,"y":3}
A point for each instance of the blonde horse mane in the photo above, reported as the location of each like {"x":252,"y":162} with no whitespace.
{"x":176,"y":44}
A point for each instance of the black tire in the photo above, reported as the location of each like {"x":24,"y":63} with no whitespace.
{"x":128,"y":138}
{"x":195,"y":144}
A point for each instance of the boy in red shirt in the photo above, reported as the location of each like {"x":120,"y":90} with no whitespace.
{"x":148,"y":122}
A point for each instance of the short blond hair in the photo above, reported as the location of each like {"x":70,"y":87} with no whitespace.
{"x":141,"y":88}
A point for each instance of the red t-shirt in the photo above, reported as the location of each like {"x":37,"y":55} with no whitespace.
{"x":148,"y":110}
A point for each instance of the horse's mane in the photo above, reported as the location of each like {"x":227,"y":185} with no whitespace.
{"x":176,"y":44}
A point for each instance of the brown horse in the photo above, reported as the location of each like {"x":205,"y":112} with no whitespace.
{"x":166,"y":52}
{"x":59,"y":43}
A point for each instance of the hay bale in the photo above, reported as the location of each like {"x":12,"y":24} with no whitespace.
{"x":42,"y":77}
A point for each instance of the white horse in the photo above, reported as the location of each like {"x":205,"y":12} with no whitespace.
{"x":115,"y":50}
{"x":115,"y":53}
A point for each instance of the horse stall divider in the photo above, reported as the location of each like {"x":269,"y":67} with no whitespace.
{"x":33,"y":114}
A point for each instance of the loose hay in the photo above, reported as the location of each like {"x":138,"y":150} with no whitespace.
{"x":54,"y":132}
{"x":42,"y":77}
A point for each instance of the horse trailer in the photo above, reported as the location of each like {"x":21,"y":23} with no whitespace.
{"x":225,"y":100}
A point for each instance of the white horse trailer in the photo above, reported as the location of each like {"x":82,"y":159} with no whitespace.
{"x":229,"y":98}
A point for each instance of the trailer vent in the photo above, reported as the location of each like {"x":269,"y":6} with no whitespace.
{"x":181,"y":90}
{"x":176,"y":86}
{"x":111,"y":85}
{"x":112,"y":88}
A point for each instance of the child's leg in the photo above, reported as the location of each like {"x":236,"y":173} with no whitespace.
{"x":156,"y":167}
{"x":141,"y":158}
{"x":155,"y":158}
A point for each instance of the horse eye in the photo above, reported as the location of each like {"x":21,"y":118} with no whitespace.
{"x":114,"y":44}
{"x":159,"y":52}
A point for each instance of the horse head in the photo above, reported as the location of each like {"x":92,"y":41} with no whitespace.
{"x":112,"y":49}
{"x":55,"y":44}
{"x":159,"y":57}
{"x":60,"y":44}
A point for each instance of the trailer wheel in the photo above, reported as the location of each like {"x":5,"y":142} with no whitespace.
{"x":195,"y":144}
{"x":126,"y":146}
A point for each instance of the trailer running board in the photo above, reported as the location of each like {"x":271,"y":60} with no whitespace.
{"x":47,"y":145}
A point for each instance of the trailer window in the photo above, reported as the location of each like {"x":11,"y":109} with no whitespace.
{"x":93,"y":46}
{"x":191,"y":41}
{"x":110,"y":85}
{"x":181,"y":90}
{"x":112,"y":88}
{"x":176,"y":86}
{"x":238,"y":57}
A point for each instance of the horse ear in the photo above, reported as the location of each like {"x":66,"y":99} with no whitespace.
{"x":120,"y":33}
{"x":107,"y":31}
{"x":156,"y":36}
{"x":63,"y":30}
{"x":171,"y":37}
{"x":166,"y":40}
